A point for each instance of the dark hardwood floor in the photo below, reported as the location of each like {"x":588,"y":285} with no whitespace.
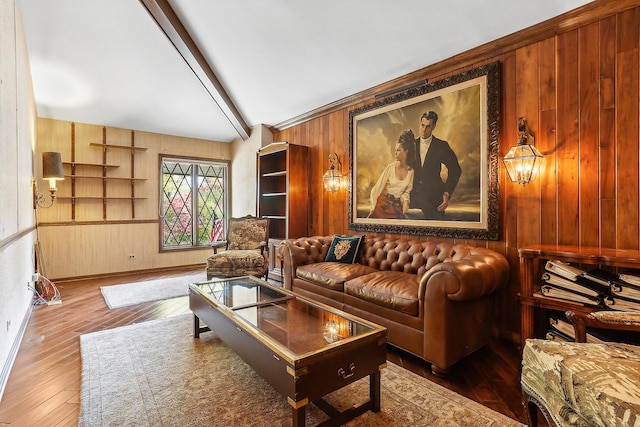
{"x":44,"y":385}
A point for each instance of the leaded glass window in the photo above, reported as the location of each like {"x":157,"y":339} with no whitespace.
{"x":193,"y":206}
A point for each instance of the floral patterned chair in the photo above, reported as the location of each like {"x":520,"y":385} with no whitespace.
{"x":245,"y":251}
{"x":584,"y":384}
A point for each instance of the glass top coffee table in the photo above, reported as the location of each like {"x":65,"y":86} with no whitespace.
{"x":303,"y":349}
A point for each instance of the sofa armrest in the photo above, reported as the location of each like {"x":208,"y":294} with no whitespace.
{"x":472,"y":273}
{"x":305,"y":250}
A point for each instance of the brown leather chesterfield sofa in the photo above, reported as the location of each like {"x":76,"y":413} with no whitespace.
{"x":435,"y":299}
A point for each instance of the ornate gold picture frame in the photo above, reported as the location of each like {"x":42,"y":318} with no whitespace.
{"x":466,"y":120}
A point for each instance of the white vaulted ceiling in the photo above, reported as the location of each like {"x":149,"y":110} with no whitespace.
{"x":108,"y":62}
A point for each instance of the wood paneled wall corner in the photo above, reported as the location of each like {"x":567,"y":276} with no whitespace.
{"x":578,"y":86}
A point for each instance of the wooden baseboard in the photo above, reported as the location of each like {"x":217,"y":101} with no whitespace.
{"x":6,"y":369}
{"x":126,"y":273}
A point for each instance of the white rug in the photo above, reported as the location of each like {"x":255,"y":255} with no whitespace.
{"x":156,"y":374}
{"x":127,"y":294}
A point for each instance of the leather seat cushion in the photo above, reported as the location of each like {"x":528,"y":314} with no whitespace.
{"x":331,"y":275}
{"x":391,"y":289}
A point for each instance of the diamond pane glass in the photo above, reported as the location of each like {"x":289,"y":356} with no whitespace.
{"x":211,"y":185}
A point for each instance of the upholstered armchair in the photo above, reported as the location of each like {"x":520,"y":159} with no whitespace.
{"x":245,"y":249}
{"x":584,"y":384}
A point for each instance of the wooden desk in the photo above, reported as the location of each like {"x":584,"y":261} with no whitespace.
{"x":532,"y":260}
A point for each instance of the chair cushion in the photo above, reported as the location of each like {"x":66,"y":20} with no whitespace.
{"x":391,"y":289}
{"x":331,"y":275}
{"x":235,"y":263}
{"x":584,"y":384}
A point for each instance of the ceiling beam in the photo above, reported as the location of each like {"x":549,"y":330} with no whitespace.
{"x":170,"y":24}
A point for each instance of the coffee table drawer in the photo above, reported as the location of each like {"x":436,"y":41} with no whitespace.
{"x":339,"y":368}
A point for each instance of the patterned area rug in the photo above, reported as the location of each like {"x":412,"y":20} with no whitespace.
{"x":127,"y":294}
{"x":155,"y":373}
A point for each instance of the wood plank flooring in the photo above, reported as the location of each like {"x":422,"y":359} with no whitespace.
{"x":44,"y":385}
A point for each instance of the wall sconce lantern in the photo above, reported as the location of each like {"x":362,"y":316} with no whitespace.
{"x":52,"y":171}
{"x":332,"y":178}
{"x":523,"y":160}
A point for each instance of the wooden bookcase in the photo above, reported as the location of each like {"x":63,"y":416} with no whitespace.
{"x":283,"y":194}
{"x":283,"y":189}
{"x":534,"y":308}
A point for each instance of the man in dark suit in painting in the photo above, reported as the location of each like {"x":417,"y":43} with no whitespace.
{"x":430,"y":193}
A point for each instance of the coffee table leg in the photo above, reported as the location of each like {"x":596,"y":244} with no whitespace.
{"x":374,"y":390}
{"x":196,"y":326}
{"x":299,"y":416}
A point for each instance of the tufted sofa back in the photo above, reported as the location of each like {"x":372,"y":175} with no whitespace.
{"x":408,"y":256}
{"x":412,"y":256}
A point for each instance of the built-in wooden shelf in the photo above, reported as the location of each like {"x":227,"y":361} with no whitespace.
{"x":90,"y":164}
{"x":117,"y":146}
{"x":109,"y":178}
{"x":278,"y":173}
{"x":78,"y":172}
{"x":99,"y":198}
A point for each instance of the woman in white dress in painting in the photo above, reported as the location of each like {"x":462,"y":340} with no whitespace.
{"x":390,"y":196}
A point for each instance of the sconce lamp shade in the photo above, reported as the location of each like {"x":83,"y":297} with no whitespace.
{"x":52,"y":171}
{"x":332,"y":178}
{"x":522,"y":163}
{"x":52,"y":168}
{"x":523,"y":160}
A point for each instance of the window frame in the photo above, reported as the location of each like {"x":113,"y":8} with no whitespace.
{"x":195,"y":162}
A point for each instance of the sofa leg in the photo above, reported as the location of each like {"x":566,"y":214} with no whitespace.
{"x":440,"y":372}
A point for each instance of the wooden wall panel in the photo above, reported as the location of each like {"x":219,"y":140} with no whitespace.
{"x":55,"y":133}
{"x":508,"y":136}
{"x":627,"y":129}
{"x":606,"y":141}
{"x":567,"y":143}
{"x":589,"y":207}
{"x":338,"y":127}
{"x":579,"y":89}
{"x":546,"y":141}
{"x":527,"y":106}
{"x":508,"y":245}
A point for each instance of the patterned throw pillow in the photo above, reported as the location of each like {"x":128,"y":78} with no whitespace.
{"x":344,"y":249}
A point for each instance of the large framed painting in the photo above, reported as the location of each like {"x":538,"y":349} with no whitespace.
{"x":425,"y":161}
